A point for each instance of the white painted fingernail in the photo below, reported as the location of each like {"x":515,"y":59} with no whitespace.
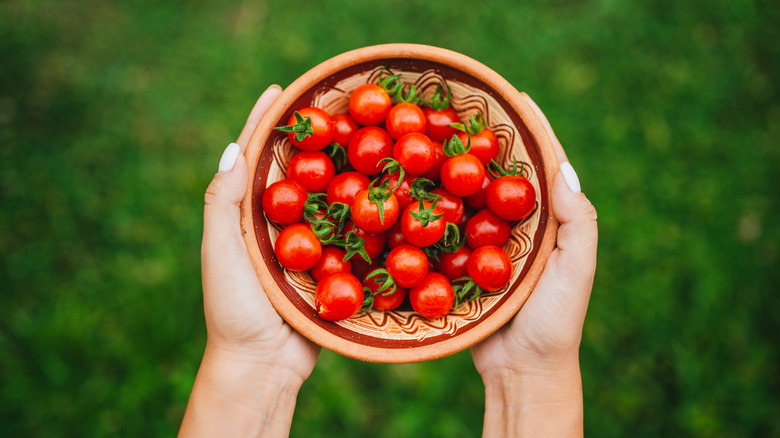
{"x":229,"y":157}
{"x":570,"y":176}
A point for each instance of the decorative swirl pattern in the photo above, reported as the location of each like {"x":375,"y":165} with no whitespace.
{"x":467,"y":101}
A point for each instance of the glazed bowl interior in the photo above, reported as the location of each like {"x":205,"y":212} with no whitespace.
{"x":402,"y":335}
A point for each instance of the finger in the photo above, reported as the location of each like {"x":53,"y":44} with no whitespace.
{"x":261,"y":106}
{"x":559,"y":152}
{"x":575,"y":256}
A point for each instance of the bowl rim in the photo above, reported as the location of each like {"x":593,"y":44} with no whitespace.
{"x":519,"y":101}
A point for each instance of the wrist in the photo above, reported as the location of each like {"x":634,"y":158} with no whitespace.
{"x":539,"y":401}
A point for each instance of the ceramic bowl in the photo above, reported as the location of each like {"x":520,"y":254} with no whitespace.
{"x":403,"y":336}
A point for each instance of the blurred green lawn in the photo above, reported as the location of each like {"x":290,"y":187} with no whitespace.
{"x":113,"y":116}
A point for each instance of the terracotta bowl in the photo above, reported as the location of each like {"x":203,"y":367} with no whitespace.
{"x":403,"y":336}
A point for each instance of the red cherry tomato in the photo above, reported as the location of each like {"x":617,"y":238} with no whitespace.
{"x":401,"y":192}
{"x":395,"y":236}
{"x":365,"y":214}
{"x":344,"y":126}
{"x":313,"y":170}
{"x":339,"y":296}
{"x":415,"y":153}
{"x":485,"y":228}
{"x":297,"y":248}
{"x":440,"y":157}
{"x":382,"y":302}
{"x":417,"y":234}
{"x":490,"y":267}
{"x":462,"y":175}
{"x":283,"y":201}
{"x":375,"y":242}
{"x":438,"y":123}
{"x":483,"y":145}
{"x":322,"y":125}
{"x":450,"y":205}
{"x":369,"y":104}
{"x":434,"y":297}
{"x":478,"y":200}
{"x":345,"y":186}
{"x":453,"y":264}
{"x":405,"y":118}
{"x":407,"y":264}
{"x":511,"y":197}
{"x":330,"y":262}
{"x":367,"y":147}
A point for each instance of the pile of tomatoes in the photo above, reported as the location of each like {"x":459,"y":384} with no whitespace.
{"x":398,"y":197}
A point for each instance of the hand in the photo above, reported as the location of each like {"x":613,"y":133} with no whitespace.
{"x":254,"y":362}
{"x":534,"y":359}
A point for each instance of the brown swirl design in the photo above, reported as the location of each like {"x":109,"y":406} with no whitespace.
{"x":467,"y":101}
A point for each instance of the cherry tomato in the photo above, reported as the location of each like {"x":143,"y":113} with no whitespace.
{"x":311,"y":169}
{"x":511,"y":197}
{"x":485,"y":228}
{"x":438,"y":123}
{"x":369,"y":104}
{"x":330,"y":262}
{"x":440,"y":157}
{"x":414,"y":231}
{"x":322,"y":125}
{"x":407,"y":264}
{"x":382,"y":302}
{"x":344,"y":128}
{"x":405,"y":118}
{"x":345,"y":186}
{"x":415,"y":153}
{"x":434,"y":297}
{"x":462,"y":175}
{"x":297,"y":248}
{"x":450,"y":205}
{"x":483,"y":145}
{"x":395,"y":236}
{"x":283,"y":201}
{"x":478,"y":200}
{"x":490,"y":267}
{"x":339,"y":296}
{"x":453,"y":264}
{"x":401,"y":192}
{"x":367,"y":147}
{"x":375,"y":242}
{"x":365,"y":214}
{"x":360,"y":267}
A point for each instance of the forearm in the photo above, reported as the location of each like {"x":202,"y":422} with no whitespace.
{"x":547,"y":404}
{"x":236,"y":397}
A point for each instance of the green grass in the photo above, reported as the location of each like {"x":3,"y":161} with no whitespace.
{"x":113,"y":118}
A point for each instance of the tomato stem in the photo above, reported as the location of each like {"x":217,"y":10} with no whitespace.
{"x":426,"y":215}
{"x":392,"y":167}
{"x":301,"y":128}
{"x":411,"y":96}
{"x":420,"y":190}
{"x":337,"y":154}
{"x":384,"y":278}
{"x":466,"y":290}
{"x":475,"y":125}
{"x":354,"y":244}
{"x":455,"y":147}
{"x":378,"y":195}
{"x":391,"y":84}
{"x":496,"y":171}
{"x":437,"y":102}
{"x":452,"y":239}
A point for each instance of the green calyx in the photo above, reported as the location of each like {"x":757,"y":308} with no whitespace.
{"x":412,"y":96}
{"x":437,"y":102}
{"x":301,"y":128}
{"x":329,"y":228}
{"x":386,"y":282}
{"x":426,"y":215}
{"x":420,"y":190}
{"x":475,"y":125}
{"x":391,"y":84}
{"x":496,"y":171}
{"x":354,"y":244}
{"x":452,"y":239}
{"x":378,"y":195}
{"x":465,"y":290}
{"x":392,"y":167}
{"x":455,"y":147}
{"x":337,"y":154}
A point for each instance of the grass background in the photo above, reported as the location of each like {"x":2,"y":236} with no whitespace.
{"x":113,"y":116}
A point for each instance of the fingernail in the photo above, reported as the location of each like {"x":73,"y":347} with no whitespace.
{"x":570,"y":176}
{"x":229,"y":157}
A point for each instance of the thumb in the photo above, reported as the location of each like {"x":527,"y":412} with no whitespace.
{"x":575,"y":257}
